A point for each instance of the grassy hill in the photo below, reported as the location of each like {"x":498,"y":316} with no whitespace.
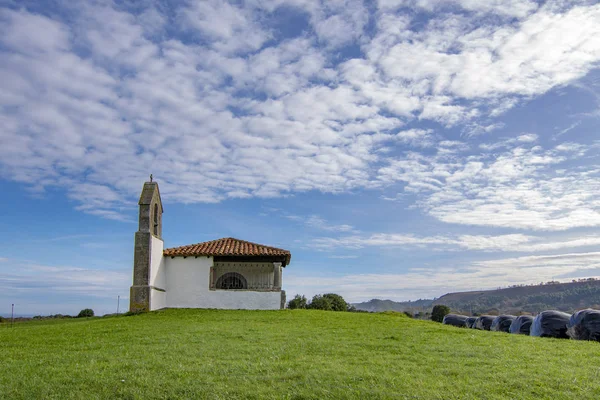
{"x":566,"y":297}
{"x":298,"y":354}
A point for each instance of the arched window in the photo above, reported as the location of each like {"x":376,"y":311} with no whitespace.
{"x":155,"y":219}
{"x":231,"y":280}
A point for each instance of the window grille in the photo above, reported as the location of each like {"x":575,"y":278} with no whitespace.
{"x":257,"y":276}
{"x":231,"y":280}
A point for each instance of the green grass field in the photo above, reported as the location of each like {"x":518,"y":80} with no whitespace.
{"x":286,"y":355}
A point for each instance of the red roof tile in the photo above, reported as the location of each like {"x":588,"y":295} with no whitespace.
{"x":228,"y":247}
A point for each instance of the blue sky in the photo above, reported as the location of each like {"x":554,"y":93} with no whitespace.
{"x":399,"y":149}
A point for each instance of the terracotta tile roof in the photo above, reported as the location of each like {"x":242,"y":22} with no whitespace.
{"x":228,"y":247}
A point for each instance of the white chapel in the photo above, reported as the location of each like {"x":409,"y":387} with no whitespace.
{"x":225,"y":273}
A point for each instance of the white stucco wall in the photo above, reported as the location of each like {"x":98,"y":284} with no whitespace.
{"x":188,"y":287}
{"x":247,"y":300}
{"x":157,"y":264}
{"x":158,"y":299}
{"x":158,"y":279}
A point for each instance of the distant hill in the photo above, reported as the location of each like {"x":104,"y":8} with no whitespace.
{"x":376,"y":305}
{"x":566,"y":297}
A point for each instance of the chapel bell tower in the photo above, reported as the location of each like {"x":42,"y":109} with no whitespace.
{"x":149,"y":235}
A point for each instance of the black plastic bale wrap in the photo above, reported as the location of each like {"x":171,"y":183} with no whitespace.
{"x":470,"y":322}
{"x":521,"y":325}
{"x":502,"y":323}
{"x":550,"y":324}
{"x":455,"y":320}
{"x":484,"y":322}
{"x":585,"y":325}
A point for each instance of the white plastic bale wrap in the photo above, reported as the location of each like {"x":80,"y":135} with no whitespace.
{"x":455,"y":320}
{"x":550,"y":324}
{"x":521,"y":325}
{"x":470,"y":322}
{"x":484,"y":322}
{"x":585,"y":325}
{"x":502,"y":323}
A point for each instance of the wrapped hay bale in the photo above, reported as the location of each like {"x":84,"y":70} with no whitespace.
{"x":521,"y":325}
{"x":502,"y":323}
{"x":455,"y":320}
{"x":470,"y":322}
{"x":484,"y":322}
{"x":550,"y":324}
{"x":585,"y":325}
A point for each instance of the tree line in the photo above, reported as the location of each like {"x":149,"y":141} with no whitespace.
{"x":327,"y":302}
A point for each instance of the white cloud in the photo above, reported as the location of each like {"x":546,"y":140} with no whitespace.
{"x":567,"y":129}
{"x":320,"y":223}
{"x":475,"y":128}
{"x":32,"y":34}
{"x":340,"y":22}
{"x":521,"y":187}
{"x":512,"y":8}
{"x":219,"y":105}
{"x":316,"y":222}
{"x":115,"y":38}
{"x":343,"y":257}
{"x":26,"y":277}
{"x":230,"y":28}
{"x":457,"y":57}
{"x":487,"y":243}
{"x":507,"y":143}
{"x":523,"y":243}
{"x":399,"y":240}
{"x":416,"y":137}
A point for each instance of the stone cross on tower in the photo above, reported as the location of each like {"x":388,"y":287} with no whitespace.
{"x":149,"y":233}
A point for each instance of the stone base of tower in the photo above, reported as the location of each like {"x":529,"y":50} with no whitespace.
{"x":283,"y":299}
{"x":139,"y":298}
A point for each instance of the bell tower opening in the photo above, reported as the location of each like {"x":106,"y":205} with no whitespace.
{"x":156,"y":219}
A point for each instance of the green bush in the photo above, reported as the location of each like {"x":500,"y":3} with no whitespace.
{"x":328,"y":302}
{"x":1,"y":320}
{"x":297,"y":302}
{"x":439,"y":312}
{"x":85,"y":313}
{"x":319,"y":302}
{"x":337,"y":302}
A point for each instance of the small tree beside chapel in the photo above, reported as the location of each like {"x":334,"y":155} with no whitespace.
{"x":337,"y":302}
{"x":320,"y":302}
{"x":325,"y":302}
{"x":439,"y":312}
{"x":297,"y":302}
{"x":85,"y":313}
